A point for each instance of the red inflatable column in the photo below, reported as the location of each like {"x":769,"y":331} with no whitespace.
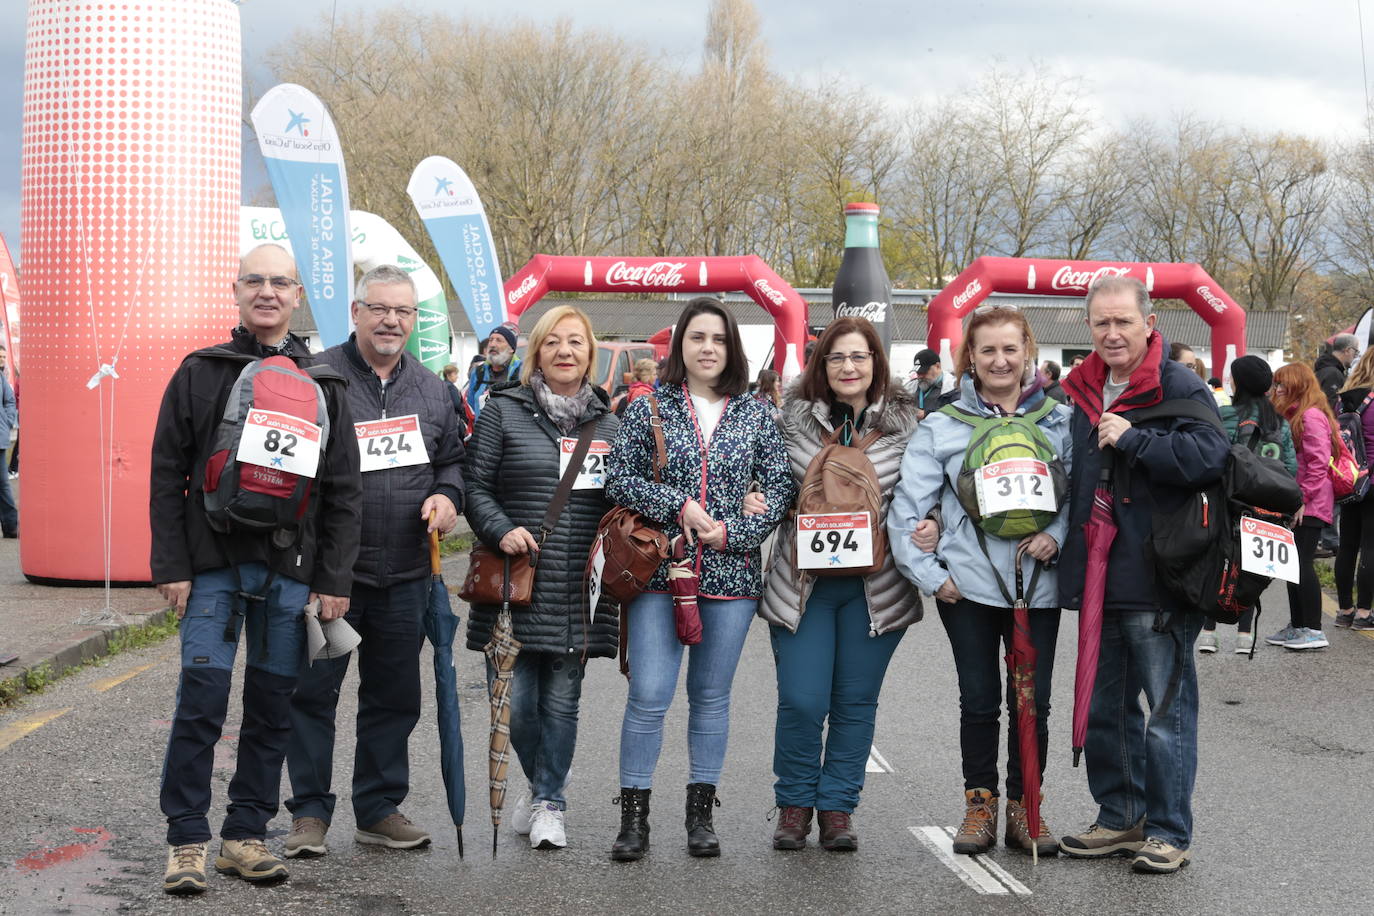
{"x":130,"y":200}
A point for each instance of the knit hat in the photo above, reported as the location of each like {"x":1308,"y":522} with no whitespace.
{"x":1252,"y":375}
{"x":505,"y":332}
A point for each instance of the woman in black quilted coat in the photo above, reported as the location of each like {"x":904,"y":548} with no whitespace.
{"x":513,"y":470}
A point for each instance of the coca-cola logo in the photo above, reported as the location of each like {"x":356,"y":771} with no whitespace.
{"x":518,"y":293}
{"x":1211,"y":299}
{"x":769,"y":292}
{"x":973,"y":289}
{"x":1068,"y":278}
{"x":659,"y":273}
{"x":876,"y":312}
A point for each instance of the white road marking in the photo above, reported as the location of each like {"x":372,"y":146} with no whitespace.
{"x":978,"y":872}
{"x":877,"y":763}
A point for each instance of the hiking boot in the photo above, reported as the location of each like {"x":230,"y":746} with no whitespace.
{"x":1307,"y":638}
{"x":979,"y":830}
{"x":1098,"y":842}
{"x":794,"y":825}
{"x":1207,"y":641}
{"x":395,"y":831}
{"x":250,"y":860}
{"x":1245,"y":643}
{"x":306,"y":839}
{"x":633,"y":840}
{"x":1159,"y":858}
{"x":522,"y":815}
{"x":837,"y":831}
{"x":185,"y":869}
{"x":1363,"y":623}
{"x":546,"y":827}
{"x":1018,"y":832}
{"x":1345,"y":618}
{"x":701,"y":829}
{"x":1282,"y":636}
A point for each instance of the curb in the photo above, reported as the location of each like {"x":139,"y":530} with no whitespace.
{"x":62,"y":656}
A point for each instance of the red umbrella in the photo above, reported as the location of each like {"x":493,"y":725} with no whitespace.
{"x":684,"y":577}
{"x":1021,"y":671}
{"x":1098,"y":536}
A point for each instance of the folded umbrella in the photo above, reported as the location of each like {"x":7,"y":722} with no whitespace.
{"x":1021,"y":658}
{"x":1098,"y":536}
{"x":441,"y":625}
{"x":501,"y":651}
{"x":684,"y":581}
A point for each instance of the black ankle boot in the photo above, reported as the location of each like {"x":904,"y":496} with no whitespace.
{"x":701,"y":833}
{"x":633,"y":840}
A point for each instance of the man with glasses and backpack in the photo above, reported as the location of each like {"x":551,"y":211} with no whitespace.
{"x":254,"y":507}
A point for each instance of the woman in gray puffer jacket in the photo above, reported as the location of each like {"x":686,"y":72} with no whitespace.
{"x":833,"y":636}
{"x":513,"y":470}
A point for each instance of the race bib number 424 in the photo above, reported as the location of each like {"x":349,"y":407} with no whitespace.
{"x":393,"y":442}
{"x":280,"y":441}
{"x":839,"y":541}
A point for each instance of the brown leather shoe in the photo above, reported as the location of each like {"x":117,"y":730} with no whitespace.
{"x":794,"y":824}
{"x":837,"y":833}
{"x":979,"y":830}
{"x":1018,"y":832}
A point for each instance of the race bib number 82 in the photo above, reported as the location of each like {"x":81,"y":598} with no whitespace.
{"x":280,"y":441}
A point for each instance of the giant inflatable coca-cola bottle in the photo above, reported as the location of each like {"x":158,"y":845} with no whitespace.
{"x":861,"y":286}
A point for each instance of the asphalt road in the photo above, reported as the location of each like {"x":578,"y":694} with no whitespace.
{"x":1282,"y":805}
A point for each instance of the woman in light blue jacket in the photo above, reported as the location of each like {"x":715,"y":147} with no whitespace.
{"x":971,"y":576}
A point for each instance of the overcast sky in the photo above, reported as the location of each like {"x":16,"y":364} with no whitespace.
{"x":1266,"y":65}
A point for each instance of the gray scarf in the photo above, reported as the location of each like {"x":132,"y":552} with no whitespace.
{"x":564,"y":410}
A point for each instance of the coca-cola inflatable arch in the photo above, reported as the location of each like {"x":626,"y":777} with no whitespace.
{"x":1047,"y":277}
{"x":559,"y":273}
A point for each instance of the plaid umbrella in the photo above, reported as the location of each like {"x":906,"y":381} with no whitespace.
{"x":1021,"y":659}
{"x":1098,"y":536}
{"x":684,"y":579}
{"x":501,"y":652}
{"x":441,"y":624}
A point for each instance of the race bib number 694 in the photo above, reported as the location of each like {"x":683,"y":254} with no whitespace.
{"x":837,"y":541}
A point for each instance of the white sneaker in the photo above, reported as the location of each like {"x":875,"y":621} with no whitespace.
{"x":522,"y":814}
{"x":1244,"y":643}
{"x":546,"y":827}
{"x":1207,"y":641}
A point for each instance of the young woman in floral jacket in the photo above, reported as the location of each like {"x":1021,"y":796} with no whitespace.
{"x":720,"y":443}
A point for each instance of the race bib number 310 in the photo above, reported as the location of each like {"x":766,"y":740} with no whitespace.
{"x":394,"y":442}
{"x":1016,"y":483}
{"x":840,"y":541}
{"x":1268,"y":550}
{"x":592,"y":474}
{"x":281,"y":441}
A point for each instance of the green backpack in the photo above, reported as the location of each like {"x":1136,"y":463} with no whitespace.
{"x":1016,"y":498}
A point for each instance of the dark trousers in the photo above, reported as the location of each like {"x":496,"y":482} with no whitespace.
{"x":976,"y":636}
{"x":272,"y":635}
{"x":9,"y":510}
{"x":1357,"y":540}
{"x":390,"y":622}
{"x":1305,"y":597}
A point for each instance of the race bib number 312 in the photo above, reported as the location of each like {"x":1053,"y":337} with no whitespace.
{"x":839,"y":541}
{"x":1016,"y":483}
{"x":280,"y":441}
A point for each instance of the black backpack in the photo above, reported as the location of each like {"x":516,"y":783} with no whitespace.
{"x":1195,"y":549}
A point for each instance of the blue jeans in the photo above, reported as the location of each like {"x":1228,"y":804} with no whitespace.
{"x":977,"y":634}
{"x":389,"y":620}
{"x":655,"y":658}
{"x":275,"y":640}
{"x":1140,"y":767}
{"x":545,"y":690}
{"x":831,"y":667}
{"x":9,"y":510}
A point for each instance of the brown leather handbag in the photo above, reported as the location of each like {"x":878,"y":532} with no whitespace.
{"x":486,"y":567}
{"x":634,"y":546}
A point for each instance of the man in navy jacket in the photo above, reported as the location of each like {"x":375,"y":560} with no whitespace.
{"x":1140,"y":770}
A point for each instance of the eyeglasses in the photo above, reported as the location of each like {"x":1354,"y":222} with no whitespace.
{"x":860,"y":359}
{"x":995,"y":307}
{"x":255,"y":281}
{"x":402,"y":312}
